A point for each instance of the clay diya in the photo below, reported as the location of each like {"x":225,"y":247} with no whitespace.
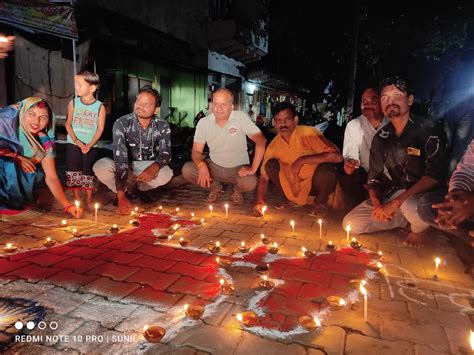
{"x":335,"y":303}
{"x":78,"y":234}
{"x":355,"y":283}
{"x":226,"y":287}
{"x":356,"y":245}
{"x":264,"y":239}
{"x":10,"y":248}
{"x":274,"y":249}
{"x":248,"y":318}
{"x":194,"y":311}
{"x":215,"y":248}
{"x":307,"y":253}
{"x":223,"y":263}
{"x":262,"y":268}
{"x":331,"y":247}
{"x":375,"y":266}
{"x":49,"y":242}
{"x":114,"y":228}
{"x":243,"y":248}
{"x":266,"y":283}
{"x":154,"y":334}
{"x":134,"y":222}
{"x":183,"y":242}
{"x":309,"y":322}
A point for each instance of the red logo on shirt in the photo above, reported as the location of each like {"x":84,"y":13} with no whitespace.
{"x":232,"y":130}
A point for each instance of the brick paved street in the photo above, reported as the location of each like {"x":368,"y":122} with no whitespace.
{"x":103,"y":288}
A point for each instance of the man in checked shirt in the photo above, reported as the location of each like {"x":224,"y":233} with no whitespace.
{"x":414,"y":153}
{"x":141,"y":142}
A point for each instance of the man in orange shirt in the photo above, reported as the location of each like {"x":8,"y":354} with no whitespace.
{"x":300,"y":161}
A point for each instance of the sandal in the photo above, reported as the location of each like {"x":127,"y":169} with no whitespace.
{"x":318,"y":211}
{"x":213,"y":196}
{"x":285,"y":205}
{"x":237,"y":197}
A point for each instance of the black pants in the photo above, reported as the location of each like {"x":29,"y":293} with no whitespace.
{"x":323,"y":184}
{"x":79,"y":173}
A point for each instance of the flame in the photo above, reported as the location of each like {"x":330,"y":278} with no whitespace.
{"x":221,"y":281}
{"x":471,"y":340}
{"x":192,"y":214}
{"x":48,"y":239}
{"x":303,"y":249}
{"x":185,"y":307}
{"x":320,"y":221}
{"x":242,"y":244}
{"x":74,"y":230}
{"x":96,"y":206}
{"x":275,"y":245}
{"x":348,"y":228}
{"x":264,"y":209}
{"x":77,"y":203}
{"x":262,"y":235}
{"x":342,"y":302}
{"x":145,"y":328}
{"x":136,"y":209}
{"x":226,"y":206}
{"x":160,"y":207}
{"x":181,"y":239}
{"x":239,"y":317}
{"x":218,"y":244}
{"x":265,"y":277}
{"x":177,"y":209}
{"x":210,"y":208}
{"x":63,"y":222}
{"x":202,"y":220}
{"x":317,"y":321}
{"x":330,"y":242}
{"x":437,"y":261}
{"x":175,"y":227}
{"x":218,"y":259}
{"x":354,"y":239}
{"x":380,"y":253}
{"x":292,"y":223}
{"x":379,"y":265}
{"x":9,"y":245}
{"x":362,"y":289}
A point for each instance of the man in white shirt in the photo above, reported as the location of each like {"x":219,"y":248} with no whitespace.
{"x":357,"y":140}
{"x":225,"y":131}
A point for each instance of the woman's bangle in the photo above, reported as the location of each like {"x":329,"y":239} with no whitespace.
{"x":67,"y":208}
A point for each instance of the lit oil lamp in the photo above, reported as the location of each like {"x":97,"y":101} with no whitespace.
{"x":201,"y":222}
{"x":309,"y":322}
{"x":356,"y":245}
{"x":247,"y":318}
{"x":64,"y":223}
{"x":355,"y":283}
{"x":375,"y":255}
{"x":49,"y":242}
{"x":307,"y":253}
{"x":76,"y":233}
{"x":192,"y":215}
{"x":274,"y":249}
{"x":211,"y":208}
{"x":183,"y":242}
{"x":134,"y":222}
{"x":266,"y":283}
{"x":160,"y":208}
{"x":226,"y":287}
{"x":292,"y":224}
{"x":114,"y":228}
{"x":226,"y":206}
{"x":215,"y":248}
{"x":223,"y":263}
{"x":335,"y":303}
{"x":10,"y":248}
{"x":331,"y":247}
{"x":375,"y":266}
{"x":243,"y":248}
{"x":262,"y":268}
{"x":264,"y":240}
{"x":153,"y":334}
{"x":132,"y":213}
{"x":264,"y":209}
{"x":194,"y":311}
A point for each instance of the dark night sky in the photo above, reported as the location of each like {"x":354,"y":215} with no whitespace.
{"x":311,"y":42}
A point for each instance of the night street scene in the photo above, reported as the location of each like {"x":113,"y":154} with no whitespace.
{"x":236,"y":177}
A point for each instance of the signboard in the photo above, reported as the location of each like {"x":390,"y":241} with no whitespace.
{"x":55,"y":20}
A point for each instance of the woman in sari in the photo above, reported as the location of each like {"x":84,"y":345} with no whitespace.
{"x":24,"y":144}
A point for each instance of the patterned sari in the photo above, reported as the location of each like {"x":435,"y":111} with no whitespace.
{"x":16,"y":186}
